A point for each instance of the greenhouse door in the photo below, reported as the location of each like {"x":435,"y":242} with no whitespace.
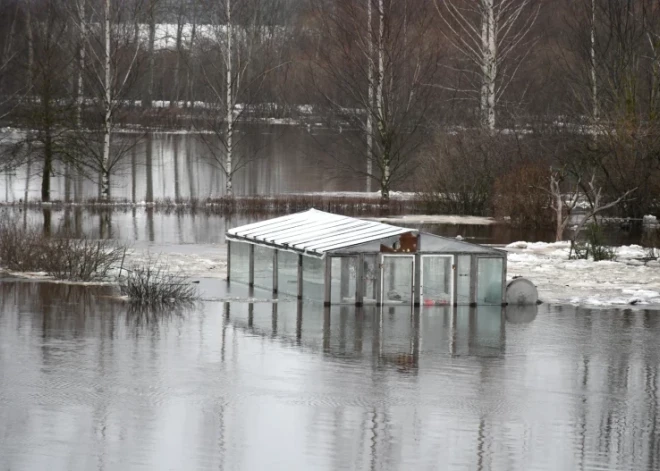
{"x":397,"y":279}
{"x":437,"y":280}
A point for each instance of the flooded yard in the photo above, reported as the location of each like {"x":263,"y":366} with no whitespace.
{"x":86,"y":382}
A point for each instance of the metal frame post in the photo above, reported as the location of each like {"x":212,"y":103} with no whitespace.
{"x":474,"y":276}
{"x":327,"y":282}
{"x":417,"y":280}
{"x":251,"y":269}
{"x":379,"y":280}
{"x":275,"y":270}
{"x":359,"y":281}
{"x":300,"y":276}
{"x":504,"y":267}
{"x":457,"y":258}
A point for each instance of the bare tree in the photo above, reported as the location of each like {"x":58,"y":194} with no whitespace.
{"x":113,"y":46}
{"x":366,"y":75}
{"x":241,"y":50}
{"x":612,"y":72}
{"x":370,"y":94}
{"x":47,"y":110}
{"x":493,"y":37}
{"x":151,"y":12}
{"x":180,"y":24}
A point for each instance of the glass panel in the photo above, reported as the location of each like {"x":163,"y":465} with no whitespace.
{"x":398,"y":277}
{"x":343,"y":279}
{"x":463,"y":279}
{"x":287,"y":264}
{"x":370,"y":278}
{"x":436,"y":280}
{"x":489,"y":281}
{"x":240,"y":261}
{"x":313,"y":278}
{"x":263,"y":267}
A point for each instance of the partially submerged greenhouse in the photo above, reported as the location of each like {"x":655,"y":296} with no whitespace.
{"x":343,"y":260}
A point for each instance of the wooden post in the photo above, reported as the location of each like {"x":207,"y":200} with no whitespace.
{"x":300,"y":276}
{"x":327,"y":282}
{"x":251,"y":269}
{"x":359,"y":281}
{"x":275,"y":270}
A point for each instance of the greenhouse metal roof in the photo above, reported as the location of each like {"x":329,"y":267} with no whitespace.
{"x":315,"y":232}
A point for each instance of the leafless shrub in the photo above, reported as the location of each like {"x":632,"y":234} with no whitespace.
{"x":458,"y":173}
{"x":81,"y":259}
{"x":152,"y":284}
{"x":27,"y":248}
{"x":21,"y":248}
{"x":520,"y":196}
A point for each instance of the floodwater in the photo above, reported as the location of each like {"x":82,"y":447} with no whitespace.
{"x":157,"y":228}
{"x":268,"y":160}
{"x":86,"y":383}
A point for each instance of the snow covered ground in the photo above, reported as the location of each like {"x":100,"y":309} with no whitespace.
{"x":626,"y":281}
{"x":629,"y":280}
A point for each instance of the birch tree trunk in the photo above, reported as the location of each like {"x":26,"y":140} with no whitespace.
{"x":489,"y":64}
{"x":190,"y":79}
{"x":370,"y":79}
{"x":107,"y":115}
{"x":495,"y":39}
{"x":230,"y":105}
{"x":80,"y":93}
{"x":177,"y":68}
{"x":380,"y":105}
{"x":81,"y":62}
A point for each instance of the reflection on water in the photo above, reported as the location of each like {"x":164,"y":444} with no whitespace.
{"x":146,"y":224}
{"x":177,"y":166}
{"x":85,"y":384}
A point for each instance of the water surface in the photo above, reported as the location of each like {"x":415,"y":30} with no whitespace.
{"x":86,"y":383}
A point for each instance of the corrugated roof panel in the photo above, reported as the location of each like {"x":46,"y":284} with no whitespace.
{"x":315,"y":231}
{"x":354,"y":238}
{"x":247,"y":228}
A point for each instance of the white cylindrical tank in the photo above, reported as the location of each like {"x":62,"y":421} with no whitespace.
{"x":521,"y":292}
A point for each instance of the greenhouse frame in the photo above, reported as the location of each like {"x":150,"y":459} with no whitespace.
{"x":337,"y":259}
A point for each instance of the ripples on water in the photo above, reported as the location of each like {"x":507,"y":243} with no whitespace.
{"x":85,"y":383}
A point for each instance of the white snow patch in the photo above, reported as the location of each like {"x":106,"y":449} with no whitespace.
{"x":629,"y":279}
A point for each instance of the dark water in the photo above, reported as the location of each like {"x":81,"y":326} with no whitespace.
{"x":87,"y":384}
{"x":272,"y":160}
